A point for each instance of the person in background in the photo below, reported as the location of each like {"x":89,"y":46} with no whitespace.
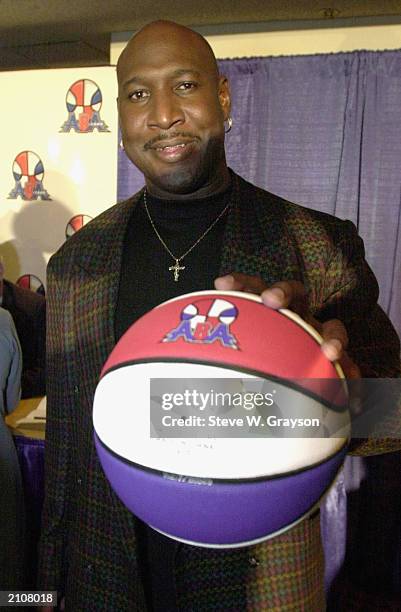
{"x":12,"y":524}
{"x":28,"y":310}
{"x":196,"y":225}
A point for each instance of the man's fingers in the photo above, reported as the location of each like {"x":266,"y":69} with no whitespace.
{"x":351,"y":370}
{"x":292,"y":294}
{"x":333,"y":349}
{"x":335,"y":342}
{"x":335,"y":339}
{"x":282,"y":294}
{"x":279,"y":295}
{"x":335,"y":329}
{"x":240,"y":282}
{"x":286,"y":294}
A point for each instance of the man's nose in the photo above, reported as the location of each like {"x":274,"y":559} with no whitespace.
{"x":165,"y":111}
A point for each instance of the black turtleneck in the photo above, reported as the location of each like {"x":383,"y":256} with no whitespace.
{"x":145,"y":282}
{"x":145,"y":279}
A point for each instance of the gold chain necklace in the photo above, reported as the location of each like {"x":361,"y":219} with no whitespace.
{"x":176,"y":268}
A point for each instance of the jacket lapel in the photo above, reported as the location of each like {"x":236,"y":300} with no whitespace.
{"x":256,"y":240}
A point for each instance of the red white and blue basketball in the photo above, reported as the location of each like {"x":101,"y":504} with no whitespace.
{"x":228,"y":490}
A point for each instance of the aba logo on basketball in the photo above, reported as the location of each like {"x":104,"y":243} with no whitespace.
{"x":84,"y":101}
{"x":28,"y":172}
{"x":206,"y":321}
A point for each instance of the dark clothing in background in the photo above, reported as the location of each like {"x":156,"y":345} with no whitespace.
{"x":28,"y":310}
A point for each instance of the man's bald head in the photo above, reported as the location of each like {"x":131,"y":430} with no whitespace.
{"x":172,"y":106}
{"x":157,"y":31}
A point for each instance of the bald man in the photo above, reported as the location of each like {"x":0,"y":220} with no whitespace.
{"x":196,"y":225}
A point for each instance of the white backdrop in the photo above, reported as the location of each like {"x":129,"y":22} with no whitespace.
{"x":58,"y":161}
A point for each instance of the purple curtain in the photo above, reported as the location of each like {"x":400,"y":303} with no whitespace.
{"x":323,"y":131}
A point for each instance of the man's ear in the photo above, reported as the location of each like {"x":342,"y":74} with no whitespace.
{"x":224,"y":96}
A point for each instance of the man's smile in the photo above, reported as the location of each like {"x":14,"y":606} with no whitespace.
{"x":173,"y":150}
{"x":174,"y":146}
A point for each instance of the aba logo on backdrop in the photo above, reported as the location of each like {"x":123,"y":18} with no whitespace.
{"x":206,"y":321}
{"x":75,"y":224}
{"x":84,"y":101}
{"x":32,"y":282}
{"x":28,"y":172}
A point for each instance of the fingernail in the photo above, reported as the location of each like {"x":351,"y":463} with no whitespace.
{"x":332,"y":349}
{"x":279,"y":293}
{"x":274,"y":296}
{"x":224,"y":283}
{"x":336,"y":344}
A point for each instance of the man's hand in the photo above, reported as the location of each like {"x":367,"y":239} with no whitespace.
{"x":291,"y":294}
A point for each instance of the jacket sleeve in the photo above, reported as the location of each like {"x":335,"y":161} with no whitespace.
{"x":57,"y":508}
{"x":351,"y":293}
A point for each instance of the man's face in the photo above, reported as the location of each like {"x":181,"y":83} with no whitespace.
{"x":172,"y":107}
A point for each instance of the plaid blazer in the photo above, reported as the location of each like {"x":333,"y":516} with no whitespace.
{"x":88,"y":540}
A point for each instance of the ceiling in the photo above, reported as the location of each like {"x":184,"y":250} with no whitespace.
{"x":50,"y":33}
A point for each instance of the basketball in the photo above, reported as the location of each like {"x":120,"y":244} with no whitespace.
{"x":220,"y":422}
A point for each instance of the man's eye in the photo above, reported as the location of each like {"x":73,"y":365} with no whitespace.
{"x":186,"y":86}
{"x":138,"y":95}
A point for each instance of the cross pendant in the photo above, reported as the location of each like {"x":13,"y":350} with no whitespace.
{"x":176,"y":267}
